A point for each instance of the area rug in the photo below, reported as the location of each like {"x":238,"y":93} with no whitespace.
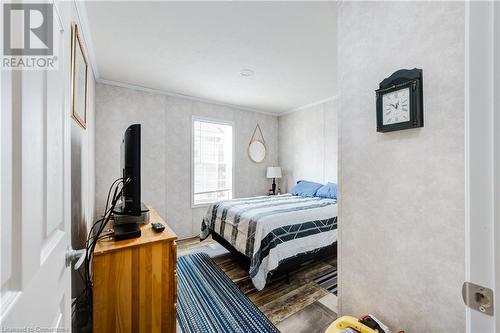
{"x":208,"y":301}
{"x":328,"y":281}
{"x":282,"y":297}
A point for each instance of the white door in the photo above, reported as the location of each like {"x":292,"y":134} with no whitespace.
{"x":482,"y":160}
{"x":35,"y":196}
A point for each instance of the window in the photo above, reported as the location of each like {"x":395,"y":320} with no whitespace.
{"x":212,"y":161}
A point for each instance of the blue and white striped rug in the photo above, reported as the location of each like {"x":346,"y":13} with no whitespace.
{"x":328,"y":280}
{"x":208,"y":301}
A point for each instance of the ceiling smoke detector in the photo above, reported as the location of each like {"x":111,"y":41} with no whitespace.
{"x":246,"y":72}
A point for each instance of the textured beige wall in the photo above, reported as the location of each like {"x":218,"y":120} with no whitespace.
{"x":308,"y":144}
{"x":116,"y":109}
{"x":402,"y":193}
{"x":166,"y":150}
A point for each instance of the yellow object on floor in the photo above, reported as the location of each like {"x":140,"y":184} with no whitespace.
{"x":346,"y":322}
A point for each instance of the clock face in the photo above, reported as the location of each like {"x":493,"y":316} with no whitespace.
{"x":396,"y":107}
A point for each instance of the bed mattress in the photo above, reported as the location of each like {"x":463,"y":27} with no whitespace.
{"x":270,"y":229}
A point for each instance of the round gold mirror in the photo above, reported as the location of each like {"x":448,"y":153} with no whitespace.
{"x":257,"y":151}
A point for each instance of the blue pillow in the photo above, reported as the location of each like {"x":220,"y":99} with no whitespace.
{"x":328,"y":191}
{"x":305,"y":188}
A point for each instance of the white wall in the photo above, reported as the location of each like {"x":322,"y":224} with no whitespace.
{"x":401,"y":250}
{"x":82,"y":153}
{"x":308,"y":144}
{"x":166,"y":150}
{"x":83,"y":171}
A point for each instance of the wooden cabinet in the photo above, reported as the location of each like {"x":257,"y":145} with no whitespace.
{"x":135,"y":282}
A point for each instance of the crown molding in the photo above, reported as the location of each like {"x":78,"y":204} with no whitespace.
{"x":188,"y":97}
{"x":303,"y":107}
{"x":81,"y":12}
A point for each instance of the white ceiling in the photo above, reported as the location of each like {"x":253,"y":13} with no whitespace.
{"x":199,"y":48}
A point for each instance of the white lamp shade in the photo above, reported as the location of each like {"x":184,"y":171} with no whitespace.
{"x":273,"y":172}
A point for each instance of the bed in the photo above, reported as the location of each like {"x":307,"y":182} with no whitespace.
{"x":273,"y":230}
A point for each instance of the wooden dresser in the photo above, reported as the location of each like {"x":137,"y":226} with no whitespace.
{"x":135,"y":282}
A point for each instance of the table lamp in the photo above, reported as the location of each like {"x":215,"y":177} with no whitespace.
{"x":273,"y":172}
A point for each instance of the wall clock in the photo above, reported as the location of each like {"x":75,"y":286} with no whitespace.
{"x":400,"y":101}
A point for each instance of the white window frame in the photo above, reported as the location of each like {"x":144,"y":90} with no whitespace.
{"x":214,"y":121}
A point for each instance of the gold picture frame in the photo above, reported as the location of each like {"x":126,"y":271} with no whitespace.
{"x":79,"y":78}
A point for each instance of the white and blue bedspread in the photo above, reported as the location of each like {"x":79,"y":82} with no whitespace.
{"x":270,"y":229}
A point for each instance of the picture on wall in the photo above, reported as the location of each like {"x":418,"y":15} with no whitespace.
{"x":79,"y":73}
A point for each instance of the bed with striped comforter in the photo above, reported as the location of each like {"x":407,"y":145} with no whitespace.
{"x":270,"y":229}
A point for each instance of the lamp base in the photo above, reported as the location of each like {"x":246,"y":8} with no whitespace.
{"x":273,"y":188}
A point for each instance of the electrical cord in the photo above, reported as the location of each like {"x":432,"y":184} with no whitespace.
{"x":94,"y":238}
{"x":107,"y":215}
{"x":90,"y":246}
{"x":109,"y":192}
{"x":105,"y":211}
{"x":84,"y":300}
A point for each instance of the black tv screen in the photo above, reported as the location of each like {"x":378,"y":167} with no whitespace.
{"x":131,"y":169}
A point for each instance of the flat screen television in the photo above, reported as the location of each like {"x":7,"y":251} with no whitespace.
{"x":131,"y":169}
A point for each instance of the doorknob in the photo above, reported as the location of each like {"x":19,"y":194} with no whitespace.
{"x":478,"y":298}
{"x":75,"y":255}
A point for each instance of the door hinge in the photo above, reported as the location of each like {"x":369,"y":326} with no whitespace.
{"x":478,"y":298}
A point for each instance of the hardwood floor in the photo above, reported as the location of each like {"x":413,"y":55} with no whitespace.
{"x":298,"y":306}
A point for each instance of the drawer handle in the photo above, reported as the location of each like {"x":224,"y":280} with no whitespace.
{"x":175,"y":286}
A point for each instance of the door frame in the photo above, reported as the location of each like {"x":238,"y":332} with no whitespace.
{"x":482,"y":156}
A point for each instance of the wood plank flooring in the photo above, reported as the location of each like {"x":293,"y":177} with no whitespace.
{"x":299,"y":306}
